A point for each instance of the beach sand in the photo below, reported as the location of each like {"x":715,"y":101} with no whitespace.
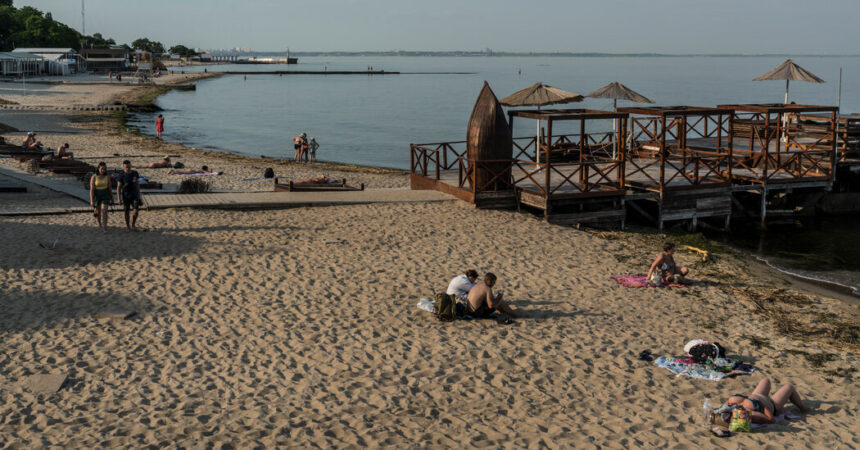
{"x":258,"y":328}
{"x":252,"y":330}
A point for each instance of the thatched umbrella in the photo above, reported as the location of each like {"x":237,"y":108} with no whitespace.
{"x":539,"y":95}
{"x":789,"y":71}
{"x":617,"y":91}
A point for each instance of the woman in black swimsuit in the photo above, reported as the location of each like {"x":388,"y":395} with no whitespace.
{"x":763,"y":406}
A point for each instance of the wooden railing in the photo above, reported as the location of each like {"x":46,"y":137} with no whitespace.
{"x":599,"y":166}
{"x":661,"y":151}
{"x":779,"y":150}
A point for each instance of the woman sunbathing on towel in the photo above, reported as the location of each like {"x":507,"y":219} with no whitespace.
{"x":763,"y":406}
{"x":164,"y":163}
{"x":201,"y":171}
{"x":314,"y":180}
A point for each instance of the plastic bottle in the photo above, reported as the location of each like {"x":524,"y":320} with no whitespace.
{"x":708,"y":410}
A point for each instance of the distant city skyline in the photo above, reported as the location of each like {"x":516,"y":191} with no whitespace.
{"x":543,"y":26}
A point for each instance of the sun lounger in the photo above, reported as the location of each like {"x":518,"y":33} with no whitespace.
{"x":291,"y":186}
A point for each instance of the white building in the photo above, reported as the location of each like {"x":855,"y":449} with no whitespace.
{"x":58,"y":61}
{"x":20,"y":64}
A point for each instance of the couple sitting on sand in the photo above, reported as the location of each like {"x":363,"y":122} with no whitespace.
{"x":478,"y":297}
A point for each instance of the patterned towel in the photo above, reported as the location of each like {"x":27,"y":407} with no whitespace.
{"x":683,"y":367}
{"x":784,"y":414}
{"x":639,"y":281}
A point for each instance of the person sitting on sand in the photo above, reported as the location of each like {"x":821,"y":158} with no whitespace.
{"x":764,"y":407}
{"x":201,"y":171}
{"x":462,"y":284}
{"x":164,"y":163}
{"x":29,"y":141}
{"x":64,"y":153}
{"x":668,"y":271}
{"x":482,"y":302}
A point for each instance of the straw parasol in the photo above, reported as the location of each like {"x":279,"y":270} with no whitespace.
{"x":617,"y":91}
{"x":539,"y":95}
{"x":789,"y":71}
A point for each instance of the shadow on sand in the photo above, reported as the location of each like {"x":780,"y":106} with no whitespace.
{"x":46,"y":309}
{"x":29,"y":246}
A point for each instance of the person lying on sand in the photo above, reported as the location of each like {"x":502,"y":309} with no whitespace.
{"x":665,"y":264}
{"x":762,"y":406}
{"x":462,"y":284}
{"x":201,"y":171}
{"x":314,"y":180}
{"x":164,"y":163}
{"x":482,"y":302}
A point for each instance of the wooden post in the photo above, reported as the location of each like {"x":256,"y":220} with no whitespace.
{"x":583,"y":177}
{"x":834,"y":124}
{"x":547,"y":166}
{"x":662,"y":156}
{"x":731,"y":119}
{"x":621,"y":158}
{"x":766,"y":147}
{"x":764,"y":207}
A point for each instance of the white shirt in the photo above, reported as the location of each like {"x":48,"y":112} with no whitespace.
{"x":460,"y":286}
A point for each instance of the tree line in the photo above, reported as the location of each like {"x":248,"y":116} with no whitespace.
{"x":29,"y":27}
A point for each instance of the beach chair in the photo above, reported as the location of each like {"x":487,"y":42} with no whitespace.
{"x":291,"y":186}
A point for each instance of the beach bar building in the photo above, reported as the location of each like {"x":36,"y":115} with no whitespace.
{"x":572,"y":178}
{"x":57,"y":61}
{"x":787,"y":163}
{"x":17,"y":64}
{"x":679,"y":162}
{"x":107,"y":59}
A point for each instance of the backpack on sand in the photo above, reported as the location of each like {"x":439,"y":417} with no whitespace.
{"x":446,"y":307}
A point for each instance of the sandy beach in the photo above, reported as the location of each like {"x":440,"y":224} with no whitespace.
{"x":299,"y":327}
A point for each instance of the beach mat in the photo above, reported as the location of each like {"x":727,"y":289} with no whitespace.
{"x":684,"y":366}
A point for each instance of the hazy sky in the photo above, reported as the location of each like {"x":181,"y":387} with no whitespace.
{"x":662,"y":26}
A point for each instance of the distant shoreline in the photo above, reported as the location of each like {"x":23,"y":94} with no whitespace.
{"x":547,"y":54}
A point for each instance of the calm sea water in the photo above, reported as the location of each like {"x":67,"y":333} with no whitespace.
{"x":371,"y":120}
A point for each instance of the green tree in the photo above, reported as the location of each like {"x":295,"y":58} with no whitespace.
{"x":145,"y":44}
{"x":182,"y":50}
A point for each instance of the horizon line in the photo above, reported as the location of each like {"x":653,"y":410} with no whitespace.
{"x":535,"y":53}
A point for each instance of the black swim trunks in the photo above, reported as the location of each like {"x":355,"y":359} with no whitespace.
{"x":483,"y":311}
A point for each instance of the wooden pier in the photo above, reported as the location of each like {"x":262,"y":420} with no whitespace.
{"x":663,"y":164}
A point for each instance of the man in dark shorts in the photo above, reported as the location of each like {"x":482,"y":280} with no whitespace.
{"x":482,"y":302}
{"x":128,"y":192}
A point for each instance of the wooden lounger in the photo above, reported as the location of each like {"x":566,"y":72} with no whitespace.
{"x":316,"y":187}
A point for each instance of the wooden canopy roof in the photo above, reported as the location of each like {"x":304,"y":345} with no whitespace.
{"x":680,"y":110}
{"x":775,"y":108}
{"x":567,"y":114}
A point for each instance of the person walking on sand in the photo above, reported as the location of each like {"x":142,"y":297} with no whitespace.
{"x":664,"y":266}
{"x":313,"y":146}
{"x":100,"y":195}
{"x":128,"y":193}
{"x":482,"y":302}
{"x":159,"y":126}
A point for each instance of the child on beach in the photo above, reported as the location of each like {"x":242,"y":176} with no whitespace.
{"x":664,"y":270}
{"x":313,"y":146}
